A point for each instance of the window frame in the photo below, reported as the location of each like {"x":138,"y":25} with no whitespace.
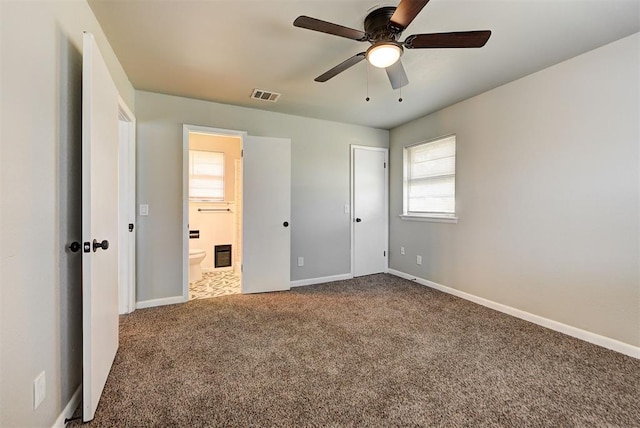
{"x":437,"y":217}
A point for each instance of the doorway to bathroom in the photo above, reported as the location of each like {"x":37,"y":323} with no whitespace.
{"x":214,"y":214}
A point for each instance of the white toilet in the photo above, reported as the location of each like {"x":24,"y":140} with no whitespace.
{"x":196,"y":257}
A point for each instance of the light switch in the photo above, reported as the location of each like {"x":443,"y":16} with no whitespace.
{"x":39,"y":390}
{"x":144,"y":209}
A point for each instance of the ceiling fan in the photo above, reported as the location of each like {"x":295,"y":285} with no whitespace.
{"x":382,"y":28}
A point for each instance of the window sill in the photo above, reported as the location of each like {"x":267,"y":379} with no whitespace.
{"x":429,"y":218}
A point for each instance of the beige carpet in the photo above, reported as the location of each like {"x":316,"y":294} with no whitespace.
{"x":372,"y":351}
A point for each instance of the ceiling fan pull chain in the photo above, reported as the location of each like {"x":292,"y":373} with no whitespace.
{"x":400,"y":99}
{"x":367,"y":99}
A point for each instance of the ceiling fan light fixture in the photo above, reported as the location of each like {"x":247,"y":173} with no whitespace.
{"x":384,"y":54}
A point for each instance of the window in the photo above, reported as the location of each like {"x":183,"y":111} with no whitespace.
{"x":206,"y":176}
{"x":430,"y":179}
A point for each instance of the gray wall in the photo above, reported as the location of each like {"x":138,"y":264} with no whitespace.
{"x":319,"y":175}
{"x":40,"y":292}
{"x":547,"y":195}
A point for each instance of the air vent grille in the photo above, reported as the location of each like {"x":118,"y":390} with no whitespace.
{"x":260,"y":94}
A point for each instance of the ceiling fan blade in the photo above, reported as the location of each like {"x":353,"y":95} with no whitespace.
{"x":397,"y":75}
{"x":341,"y":67}
{"x":329,"y":28}
{"x":406,"y":12}
{"x":460,"y":39}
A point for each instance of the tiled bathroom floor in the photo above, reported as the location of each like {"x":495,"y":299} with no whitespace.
{"x":215,"y":284}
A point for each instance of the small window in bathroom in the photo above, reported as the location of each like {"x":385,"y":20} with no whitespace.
{"x":206,"y":176}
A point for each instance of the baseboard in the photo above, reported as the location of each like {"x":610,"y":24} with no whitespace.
{"x":68,"y":410}
{"x":159,"y":302}
{"x":587,"y":336}
{"x":311,"y":281}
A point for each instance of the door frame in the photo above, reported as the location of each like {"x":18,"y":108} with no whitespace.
{"x":385,"y":150}
{"x":186,"y":129}
{"x":127,"y":210}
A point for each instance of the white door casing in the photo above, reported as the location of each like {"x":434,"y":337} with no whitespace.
{"x":369,"y":178}
{"x":266,"y":212}
{"x":237,"y":217}
{"x":127,"y":209}
{"x":99,"y":223}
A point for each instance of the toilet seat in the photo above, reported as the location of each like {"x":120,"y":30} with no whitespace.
{"x":197,"y":252}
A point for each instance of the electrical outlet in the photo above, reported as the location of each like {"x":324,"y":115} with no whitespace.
{"x":402,"y":250}
{"x":144,"y":209}
{"x":39,"y":390}
{"x":300,"y":261}
{"x":419,"y":260}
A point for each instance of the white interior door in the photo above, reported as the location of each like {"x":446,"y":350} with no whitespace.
{"x":369,"y":231}
{"x":99,"y":225}
{"x":266,"y":187}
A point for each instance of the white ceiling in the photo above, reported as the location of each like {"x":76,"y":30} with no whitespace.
{"x":220,"y":50}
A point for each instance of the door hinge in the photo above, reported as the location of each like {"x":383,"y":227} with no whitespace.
{"x":385,"y":165}
{"x":242,"y":153}
{"x":241,"y":268}
{"x":384,"y":253}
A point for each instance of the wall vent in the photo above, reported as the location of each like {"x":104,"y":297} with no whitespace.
{"x":260,"y":94}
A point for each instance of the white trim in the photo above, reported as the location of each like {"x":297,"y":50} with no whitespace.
{"x":161,"y":302}
{"x":416,"y":216}
{"x":186,"y":129}
{"x":432,"y":219}
{"x":127,"y":201}
{"x":430,"y":140}
{"x":69,"y":409}
{"x":352,"y":148}
{"x":587,"y":336}
{"x":321,"y":280}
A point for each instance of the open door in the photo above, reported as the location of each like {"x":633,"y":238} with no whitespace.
{"x":266,"y":187}
{"x":99,"y":225}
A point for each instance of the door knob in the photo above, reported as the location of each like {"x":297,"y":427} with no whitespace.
{"x":104,"y":245}
{"x":75,"y":246}
{"x":358,"y":220}
{"x":285,"y":224}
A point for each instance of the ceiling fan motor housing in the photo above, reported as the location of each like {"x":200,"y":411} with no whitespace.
{"x":377,"y":27}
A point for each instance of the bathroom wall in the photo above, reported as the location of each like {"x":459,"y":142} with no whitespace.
{"x":216,"y":228}
{"x":230,"y":146}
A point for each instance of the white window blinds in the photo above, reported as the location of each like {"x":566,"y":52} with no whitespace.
{"x":430,"y":185}
{"x":206,"y":176}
